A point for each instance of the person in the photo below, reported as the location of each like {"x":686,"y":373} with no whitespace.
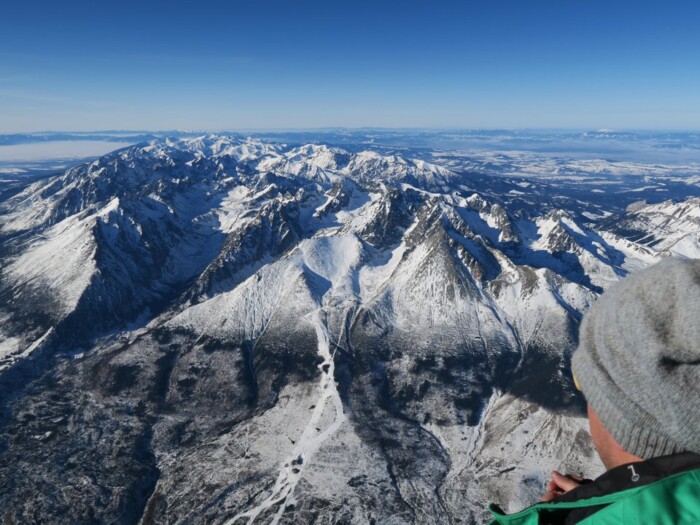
{"x":638,"y":366}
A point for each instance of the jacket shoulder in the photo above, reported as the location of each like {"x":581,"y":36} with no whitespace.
{"x":674,"y":500}
{"x":670,"y":501}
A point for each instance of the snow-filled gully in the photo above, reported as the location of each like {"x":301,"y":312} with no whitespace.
{"x":311,"y":439}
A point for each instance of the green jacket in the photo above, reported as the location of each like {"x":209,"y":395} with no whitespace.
{"x":659,"y":491}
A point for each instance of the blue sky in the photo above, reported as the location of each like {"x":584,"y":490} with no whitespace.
{"x":67,"y":65}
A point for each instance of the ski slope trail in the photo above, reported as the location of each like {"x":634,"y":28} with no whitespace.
{"x":311,"y":438}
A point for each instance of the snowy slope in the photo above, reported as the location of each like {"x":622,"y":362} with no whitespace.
{"x":667,"y":228}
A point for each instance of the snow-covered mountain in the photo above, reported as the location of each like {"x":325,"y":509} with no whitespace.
{"x":228,"y":330}
{"x":668,"y":228}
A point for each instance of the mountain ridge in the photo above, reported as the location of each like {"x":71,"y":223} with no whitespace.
{"x":247,"y":315}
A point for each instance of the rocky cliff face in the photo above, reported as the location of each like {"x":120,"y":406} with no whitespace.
{"x":233,"y":331}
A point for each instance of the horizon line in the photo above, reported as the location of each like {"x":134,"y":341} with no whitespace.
{"x":355,"y":128}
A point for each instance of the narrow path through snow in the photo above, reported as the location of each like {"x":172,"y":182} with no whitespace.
{"x":311,"y":439}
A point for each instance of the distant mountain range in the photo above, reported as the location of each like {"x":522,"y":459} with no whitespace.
{"x":614,"y":142}
{"x":228,"y":330}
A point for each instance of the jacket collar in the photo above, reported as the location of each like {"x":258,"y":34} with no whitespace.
{"x":632,"y":475}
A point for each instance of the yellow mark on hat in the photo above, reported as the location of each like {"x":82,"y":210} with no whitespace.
{"x":576,"y":384}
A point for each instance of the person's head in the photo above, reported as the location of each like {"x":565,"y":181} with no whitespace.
{"x":638,"y":364}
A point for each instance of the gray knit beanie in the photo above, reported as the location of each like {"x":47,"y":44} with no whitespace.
{"x":638,"y":359}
